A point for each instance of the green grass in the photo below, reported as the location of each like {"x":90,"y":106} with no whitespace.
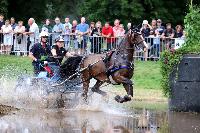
{"x":16,"y":62}
{"x":147,"y":75}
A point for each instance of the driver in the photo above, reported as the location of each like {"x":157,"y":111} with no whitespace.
{"x":39,"y":52}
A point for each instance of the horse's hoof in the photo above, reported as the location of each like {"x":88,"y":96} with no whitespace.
{"x":127,"y":98}
{"x":119,"y":99}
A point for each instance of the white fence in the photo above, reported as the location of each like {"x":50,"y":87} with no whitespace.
{"x":96,"y":44}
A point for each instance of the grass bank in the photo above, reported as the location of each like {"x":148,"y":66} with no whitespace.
{"x":147,"y":88}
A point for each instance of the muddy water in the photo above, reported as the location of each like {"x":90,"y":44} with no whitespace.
{"x":39,"y":114}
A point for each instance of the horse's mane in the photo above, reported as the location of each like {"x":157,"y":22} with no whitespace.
{"x":70,"y":66}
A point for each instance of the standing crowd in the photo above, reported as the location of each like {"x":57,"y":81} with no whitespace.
{"x":25,"y":37}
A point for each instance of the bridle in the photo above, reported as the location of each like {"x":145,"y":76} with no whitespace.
{"x":135,"y":45}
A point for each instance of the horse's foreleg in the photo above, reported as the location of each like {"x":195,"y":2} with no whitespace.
{"x":128,"y":85}
{"x":129,"y":89}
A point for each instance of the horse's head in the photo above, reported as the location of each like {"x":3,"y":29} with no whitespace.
{"x":136,"y":39}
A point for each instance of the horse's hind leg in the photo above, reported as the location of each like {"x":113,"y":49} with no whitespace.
{"x":96,"y":89}
{"x":85,"y":88}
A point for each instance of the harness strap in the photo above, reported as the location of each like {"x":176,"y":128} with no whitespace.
{"x":115,"y":68}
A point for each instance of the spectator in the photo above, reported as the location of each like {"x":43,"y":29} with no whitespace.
{"x":116,"y":28}
{"x":12,"y":23}
{"x":58,"y":28}
{"x":74,"y":38}
{"x":107,"y":32}
{"x":179,"y":32}
{"x":92,"y":26}
{"x":8,"y":36}
{"x":68,"y":23}
{"x":121,"y":32}
{"x":156,"y":43}
{"x":153,"y":27}
{"x":96,"y":38}
{"x":47,"y":27}
{"x":168,"y":34}
{"x":67,"y":33}
{"x":160,"y":28}
{"x":145,"y":30}
{"x":33,"y":32}
{"x":128,"y":27}
{"x":82,"y":30}
{"x":1,"y":24}
{"x":1,"y":20}
{"x":20,"y":39}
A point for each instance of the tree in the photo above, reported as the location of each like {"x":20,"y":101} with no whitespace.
{"x":23,"y":10}
{"x":108,"y":10}
{"x":3,"y":7}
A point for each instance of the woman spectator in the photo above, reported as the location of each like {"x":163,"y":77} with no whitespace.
{"x":179,"y":32}
{"x":120,"y":34}
{"x":96,"y":38}
{"x":92,"y":26}
{"x":8,"y":36}
{"x":20,"y":39}
{"x":145,"y":30}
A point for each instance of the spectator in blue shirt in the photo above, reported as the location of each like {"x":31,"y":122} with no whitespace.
{"x":82,"y":30}
{"x":58,"y":28}
{"x":12,"y":23}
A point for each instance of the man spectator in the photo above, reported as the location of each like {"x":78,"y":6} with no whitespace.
{"x":168,"y":34}
{"x":58,"y":28}
{"x":1,"y":24}
{"x":33,"y":32}
{"x":82,"y":30}
{"x":12,"y":23}
{"x":128,"y":28}
{"x":67,"y":23}
{"x":107,"y":32}
{"x":74,"y":38}
{"x":160,"y":28}
{"x":116,"y":28}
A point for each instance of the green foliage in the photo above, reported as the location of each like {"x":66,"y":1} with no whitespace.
{"x":3,"y":7}
{"x":108,"y":10}
{"x":170,"y":59}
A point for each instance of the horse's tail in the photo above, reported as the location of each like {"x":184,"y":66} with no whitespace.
{"x":70,"y":66}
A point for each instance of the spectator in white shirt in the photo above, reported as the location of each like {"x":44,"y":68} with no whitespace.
{"x":20,"y":39}
{"x":8,"y":36}
{"x":33,"y":32}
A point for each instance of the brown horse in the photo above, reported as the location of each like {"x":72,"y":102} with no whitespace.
{"x":116,"y":67}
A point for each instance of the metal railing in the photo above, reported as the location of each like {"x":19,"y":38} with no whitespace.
{"x":95,"y":45}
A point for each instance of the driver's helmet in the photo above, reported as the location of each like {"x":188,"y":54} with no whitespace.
{"x":59,"y":39}
{"x":44,"y":34}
